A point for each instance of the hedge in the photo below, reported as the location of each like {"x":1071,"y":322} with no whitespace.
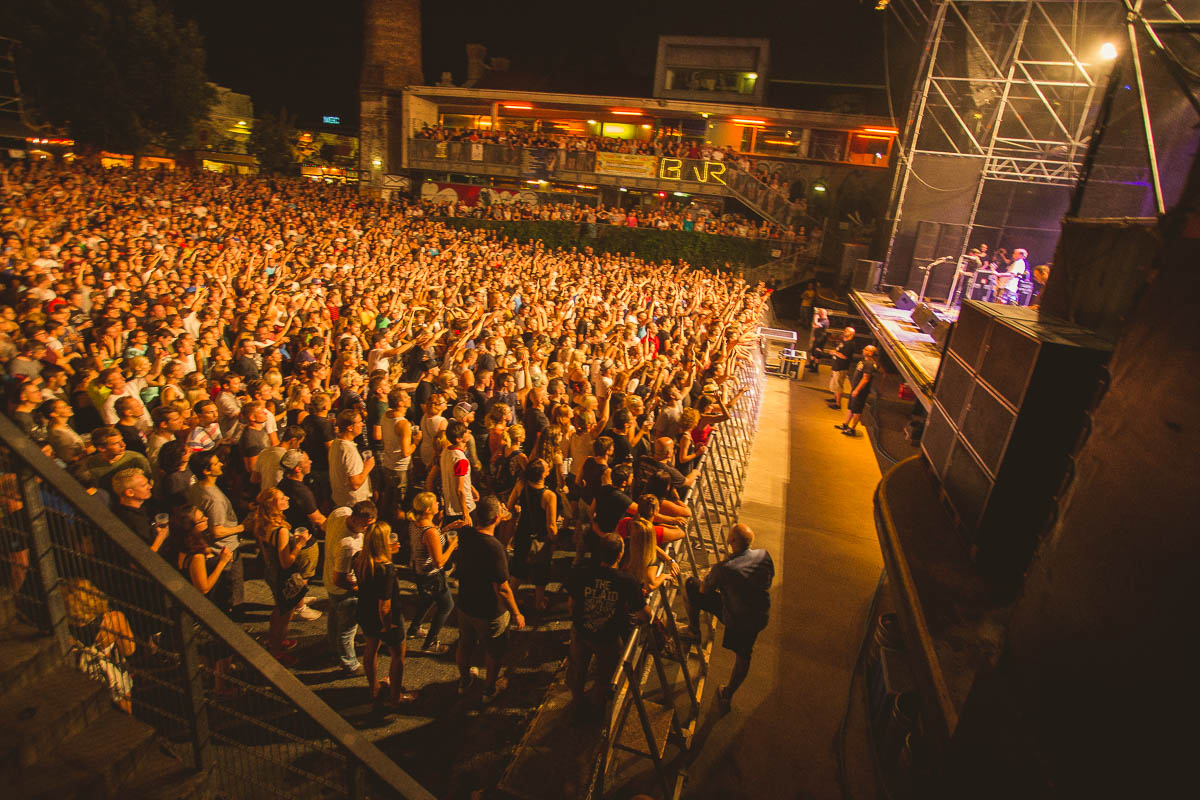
{"x":698,"y":249}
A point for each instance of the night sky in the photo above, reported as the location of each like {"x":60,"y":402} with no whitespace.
{"x":305,"y":56}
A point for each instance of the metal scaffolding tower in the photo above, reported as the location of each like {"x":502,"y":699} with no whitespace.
{"x":1028,"y":91}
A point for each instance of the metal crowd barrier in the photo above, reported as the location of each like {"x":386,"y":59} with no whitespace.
{"x":222,"y":705}
{"x":713,"y":501}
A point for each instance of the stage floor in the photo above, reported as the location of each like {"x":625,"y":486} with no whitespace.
{"x":916,"y":355}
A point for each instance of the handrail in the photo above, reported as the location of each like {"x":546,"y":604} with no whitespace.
{"x":180,"y":591}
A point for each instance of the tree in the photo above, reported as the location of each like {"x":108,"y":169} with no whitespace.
{"x":271,"y":143}
{"x":118,"y":74}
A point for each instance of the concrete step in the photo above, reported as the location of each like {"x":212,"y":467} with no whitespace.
{"x":98,"y":762}
{"x":39,"y":716}
{"x":162,"y":776}
{"x":25,"y":654}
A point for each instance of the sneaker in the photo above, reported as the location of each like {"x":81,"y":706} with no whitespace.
{"x":423,"y":630}
{"x":435,"y":648}
{"x":355,"y":671}
{"x":850,"y":432}
{"x":832,"y":404}
{"x":308,"y":612}
{"x":466,"y":684}
{"x":841,"y":427}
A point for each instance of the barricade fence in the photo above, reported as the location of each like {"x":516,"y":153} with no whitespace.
{"x":713,"y":502}
{"x":220,"y":702}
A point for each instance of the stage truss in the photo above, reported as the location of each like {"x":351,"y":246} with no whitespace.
{"x":1028,"y":88}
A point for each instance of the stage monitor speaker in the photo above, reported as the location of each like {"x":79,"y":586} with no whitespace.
{"x":926,"y":318}
{"x":1006,"y":412}
{"x":905,"y":300}
{"x":851,"y":255}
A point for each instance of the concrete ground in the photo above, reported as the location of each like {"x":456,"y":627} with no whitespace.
{"x":808,"y":497}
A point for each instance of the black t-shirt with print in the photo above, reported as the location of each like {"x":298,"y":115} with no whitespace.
{"x":604,"y":601}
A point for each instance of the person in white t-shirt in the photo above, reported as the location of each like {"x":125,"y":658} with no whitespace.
{"x":458,"y":494}
{"x":348,"y":472}
{"x":1011,"y":280}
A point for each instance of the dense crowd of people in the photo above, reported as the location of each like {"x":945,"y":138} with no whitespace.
{"x":261,"y":368}
{"x":664,"y":217}
{"x":771,"y":173}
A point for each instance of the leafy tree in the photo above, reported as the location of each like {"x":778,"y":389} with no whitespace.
{"x":120,"y":74}
{"x":271,"y":142}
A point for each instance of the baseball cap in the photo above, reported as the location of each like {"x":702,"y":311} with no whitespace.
{"x":291,"y":459}
{"x":462,"y":409}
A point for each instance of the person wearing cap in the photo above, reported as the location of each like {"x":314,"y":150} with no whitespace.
{"x":464,"y":412}
{"x":268,"y":468}
{"x":457,"y":492}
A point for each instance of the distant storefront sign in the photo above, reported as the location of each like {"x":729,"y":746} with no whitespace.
{"x":328,"y":120}
{"x":626,"y":164}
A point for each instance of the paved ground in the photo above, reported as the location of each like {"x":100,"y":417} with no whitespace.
{"x":451,"y":745}
{"x":808,"y":499}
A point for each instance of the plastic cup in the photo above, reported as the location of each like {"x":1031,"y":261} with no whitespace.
{"x":162,"y":520}
{"x":300,"y":532}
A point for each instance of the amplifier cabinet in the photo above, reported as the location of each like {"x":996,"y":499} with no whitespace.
{"x":1006,"y":412}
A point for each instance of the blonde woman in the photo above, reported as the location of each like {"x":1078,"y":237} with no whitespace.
{"x":642,"y":554}
{"x":284,"y":560}
{"x":432,"y":545}
{"x":379,"y":614}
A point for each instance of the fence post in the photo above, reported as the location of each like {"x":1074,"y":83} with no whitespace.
{"x":193,"y":685}
{"x":41,"y":556}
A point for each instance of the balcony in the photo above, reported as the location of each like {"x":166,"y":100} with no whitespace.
{"x":572,"y":166}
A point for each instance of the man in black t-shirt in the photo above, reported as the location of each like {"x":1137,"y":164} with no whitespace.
{"x":302,"y":510}
{"x":612,"y":500}
{"x":843,"y":357}
{"x":131,"y":488}
{"x":860,"y":389}
{"x":486,"y":604}
{"x":604,"y":605}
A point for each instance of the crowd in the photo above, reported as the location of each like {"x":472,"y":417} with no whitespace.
{"x":665,"y":217}
{"x":260,"y":368}
{"x":769,"y":173}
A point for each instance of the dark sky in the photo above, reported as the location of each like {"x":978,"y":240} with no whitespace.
{"x":305,"y":55}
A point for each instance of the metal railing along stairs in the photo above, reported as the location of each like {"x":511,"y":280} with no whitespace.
{"x":220,"y":702}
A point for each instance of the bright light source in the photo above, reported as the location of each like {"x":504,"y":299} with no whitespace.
{"x":679,"y":194}
{"x":591,"y":122}
{"x":627,"y":113}
{"x":752,"y":76}
{"x":242,"y":122}
{"x":818,"y":187}
{"x":519,"y":106}
{"x":377,"y":162}
{"x":623,"y":189}
{"x":1108,"y":51}
{"x":744,"y":121}
{"x":646,"y":127}
{"x":704,"y":115}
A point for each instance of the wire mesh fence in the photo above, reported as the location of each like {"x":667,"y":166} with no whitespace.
{"x":125,"y":616}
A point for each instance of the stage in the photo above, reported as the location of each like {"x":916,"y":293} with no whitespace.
{"x":915,"y":354}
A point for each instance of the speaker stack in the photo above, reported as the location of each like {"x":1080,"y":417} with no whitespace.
{"x":1006,"y":412}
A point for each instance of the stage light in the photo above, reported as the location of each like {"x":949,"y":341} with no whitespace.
{"x":518,"y":107}
{"x":818,"y":187}
{"x":1108,"y":51}
{"x":628,"y":113}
